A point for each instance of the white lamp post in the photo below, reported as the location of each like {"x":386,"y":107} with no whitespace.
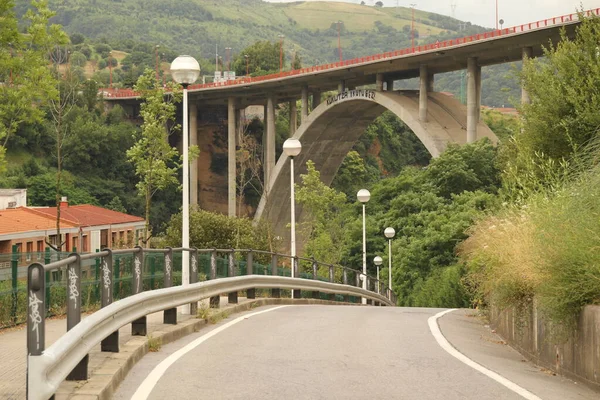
{"x":185,"y":70}
{"x":364,"y":196}
{"x":292,"y":148}
{"x":378,"y":261}
{"x":390,"y":233}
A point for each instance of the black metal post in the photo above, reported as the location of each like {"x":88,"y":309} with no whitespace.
{"x":36,"y":311}
{"x":315,"y":268}
{"x":169,"y":315}
{"x":331,"y":279}
{"x":250,"y":293}
{"x":80,"y":372}
{"x":111,"y":343}
{"x":215,"y":300}
{"x":232,"y":298}
{"x":275,"y":292}
{"x":194,"y":277}
{"x":345,"y":280}
{"x":297,"y":292}
{"x":139,"y":327}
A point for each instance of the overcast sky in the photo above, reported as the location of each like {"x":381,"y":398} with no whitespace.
{"x":482,"y":12}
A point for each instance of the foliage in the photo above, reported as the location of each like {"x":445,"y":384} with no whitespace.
{"x":155,"y":161}
{"x":211,"y":230}
{"x":263,"y":58}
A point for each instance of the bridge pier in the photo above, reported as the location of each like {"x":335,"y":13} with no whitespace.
{"x":424,"y":88}
{"x":304,"y":100}
{"x":193,"y":111}
{"x":293,"y":118}
{"x":342,"y":86}
{"x":316,"y":99}
{"x":269,"y":164}
{"x":527,"y":53}
{"x":389,"y":85}
{"x":379,"y":82}
{"x":231,"y":161}
{"x":473,"y":98}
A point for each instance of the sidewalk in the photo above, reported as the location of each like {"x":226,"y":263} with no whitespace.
{"x":13,"y":352}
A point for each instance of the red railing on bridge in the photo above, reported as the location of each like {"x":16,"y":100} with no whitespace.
{"x":129,"y":93}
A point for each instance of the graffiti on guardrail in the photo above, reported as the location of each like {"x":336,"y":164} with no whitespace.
{"x":73,"y":292}
{"x":36,"y":318}
{"x":194,"y":264}
{"x":138,"y":272}
{"x":168,"y":266}
{"x":105,"y":274}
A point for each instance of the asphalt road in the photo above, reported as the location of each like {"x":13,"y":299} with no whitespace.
{"x":336,"y":352}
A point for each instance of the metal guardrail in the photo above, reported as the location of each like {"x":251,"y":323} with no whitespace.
{"x":111,"y":93}
{"x":67,"y":358}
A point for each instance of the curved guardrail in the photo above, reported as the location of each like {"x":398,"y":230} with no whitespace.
{"x":67,"y":358}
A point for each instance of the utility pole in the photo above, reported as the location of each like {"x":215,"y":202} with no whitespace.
{"x":497,"y":15}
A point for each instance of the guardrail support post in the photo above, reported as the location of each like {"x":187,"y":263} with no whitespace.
{"x":194,"y":277}
{"x":80,"y":372}
{"x":345,"y":280}
{"x":139,"y":327}
{"x":36,"y":313}
{"x":315,"y":268}
{"x":331,"y":279}
{"x":169,"y":315}
{"x":250,"y":293}
{"x":297,"y":293}
{"x":111,"y":343}
{"x":232,"y":298}
{"x":216,"y":300}
{"x":275,"y":292}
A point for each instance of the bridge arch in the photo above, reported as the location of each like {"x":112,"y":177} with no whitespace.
{"x":332,"y":129}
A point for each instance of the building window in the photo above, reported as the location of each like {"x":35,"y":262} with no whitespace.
{"x":113,"y":239}
{"x":29,"y":250}
{"x":40,"y":249}
{"x":84,"y":243}
{"x":75,"y":246}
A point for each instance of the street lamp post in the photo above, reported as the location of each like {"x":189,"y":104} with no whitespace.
{"x":281,"y":37}
{"x":364,"y":196}
{"x":339,"y":39}
{"x":247,"y":57}
{"x":412,"y":29}
{"x":185,"y":70}
{"x":390,"y":233}
{"x":291,"y":148}
{"x":378,"y":261}
{"x":497,"y":15}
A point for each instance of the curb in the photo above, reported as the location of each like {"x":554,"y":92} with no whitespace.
{"x":108,"y":370}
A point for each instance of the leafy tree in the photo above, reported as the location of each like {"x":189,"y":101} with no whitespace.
{"x":156,"y":162}
{"x":263,"y":58}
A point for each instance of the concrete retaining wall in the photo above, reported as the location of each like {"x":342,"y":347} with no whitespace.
{"x":577,"y":358}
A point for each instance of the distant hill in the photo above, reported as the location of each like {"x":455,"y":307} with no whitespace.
{"x":197,"y":27}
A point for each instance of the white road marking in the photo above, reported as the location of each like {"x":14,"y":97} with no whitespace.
{"x":151,"y":380}
{"x":439,"y":337}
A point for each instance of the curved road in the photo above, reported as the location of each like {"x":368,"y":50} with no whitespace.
{"x":336,"y":352}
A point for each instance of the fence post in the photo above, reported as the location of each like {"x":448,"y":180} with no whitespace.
{"x":47,"y":260}
{"x":36,"y":313}
{"x":250,"y":293}
{"x":169,"y":315}
{"x":14,"y":265}
{"x":139,"y":327}
{"x":111,"y":343}
{"x":232,"y":297}
{"x":275,"y":292}
{"x":215,"y":300}
{"x":345,"y":280}
{"x":194,"y":277}
{"x":297,"y":293}
{"x":315,"y":268}
{"x":331,"y":279}
{"x":80,"y":372}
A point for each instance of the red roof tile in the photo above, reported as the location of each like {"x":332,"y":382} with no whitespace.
{"x":24,"y":219}
{"x":88,"y":215}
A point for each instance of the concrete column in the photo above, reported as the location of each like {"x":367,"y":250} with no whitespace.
{"x":423,"y":84}
{"x":472,"y":106}
{"x":389,"y":85}
{"x":430,"y":82}
{"x":264,"y":136}
{"x":293,"y":118}
{"x":379,"y":82}
{"x":527,"y":53}
{"x":193,"y":110}
{"x":316,"y":99}
{"x":478,"y":83}
{"x":342,"y":86}
{"x":304,"y":101}
{"x":269,"y":164}
{"x":231,"y":162}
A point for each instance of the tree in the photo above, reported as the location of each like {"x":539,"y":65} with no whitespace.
{"x":263,"y":58}
{"x":28,"y":83}
{"x":379,"y":4}
{"x":156,"y":162}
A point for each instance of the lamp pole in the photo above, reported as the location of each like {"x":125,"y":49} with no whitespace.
{"x":185,"y":70}
{"x":247,"y":65}
{"x":390,"y":233}
{"x":412,"y":29}
{"x":156,"y":56}
{"x":339,"y":39}
{"x":496,"y":14}
{"x":291,"y":148}
{"x":364,"y":196}
{"x":281,"y":37}
{"x":378,"y":261}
